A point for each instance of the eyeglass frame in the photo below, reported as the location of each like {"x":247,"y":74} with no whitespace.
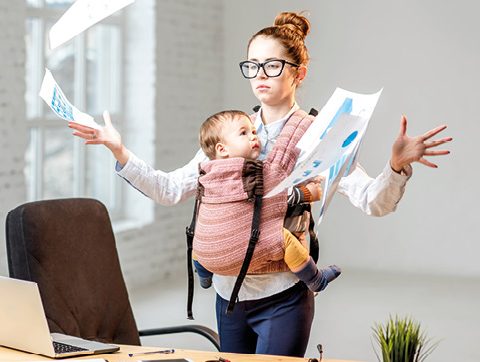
{"x":262,"y":66}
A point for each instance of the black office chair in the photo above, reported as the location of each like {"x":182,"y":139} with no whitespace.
{"x":67,"y":246}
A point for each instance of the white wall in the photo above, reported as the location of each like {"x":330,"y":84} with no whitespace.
{"x":13,"y":131}
{"x":426,"y":55}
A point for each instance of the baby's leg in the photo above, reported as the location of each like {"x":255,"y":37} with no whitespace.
{"x":204,"y":275}
{"x":303,"y":266}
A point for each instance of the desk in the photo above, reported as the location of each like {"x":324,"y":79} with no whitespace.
{"x":10,"y":355}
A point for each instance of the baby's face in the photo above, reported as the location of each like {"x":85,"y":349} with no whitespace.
{"x":239,"y":138}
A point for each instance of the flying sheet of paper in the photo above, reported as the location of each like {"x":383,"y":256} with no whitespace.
{"x":82,"y":15}
{"x":332,"y":142}
{"x":56,"y":100}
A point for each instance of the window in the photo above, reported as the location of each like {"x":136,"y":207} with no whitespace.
{"x":89,"y":70}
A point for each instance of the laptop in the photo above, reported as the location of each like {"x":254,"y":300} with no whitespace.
{"x":23,"y":324}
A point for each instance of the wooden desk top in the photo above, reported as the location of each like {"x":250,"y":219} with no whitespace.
{"x":10,"y":355}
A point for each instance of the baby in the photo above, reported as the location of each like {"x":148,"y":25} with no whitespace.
{"x":231,"y":134}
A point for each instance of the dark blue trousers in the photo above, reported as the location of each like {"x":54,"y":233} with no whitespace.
{"x":278,"y":325}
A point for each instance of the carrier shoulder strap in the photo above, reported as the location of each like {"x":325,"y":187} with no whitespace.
{"x":254,"y":235}
{"x":314,"y":246}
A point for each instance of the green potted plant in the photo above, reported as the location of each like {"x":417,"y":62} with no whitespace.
{"x":401,"y":340}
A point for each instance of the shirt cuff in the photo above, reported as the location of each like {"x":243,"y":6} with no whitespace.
{"x":126,"y":169}
{"x":404,"y":175}
{"x":118,"y":167}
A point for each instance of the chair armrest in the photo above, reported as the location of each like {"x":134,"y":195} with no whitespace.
{"x":208,"y":333}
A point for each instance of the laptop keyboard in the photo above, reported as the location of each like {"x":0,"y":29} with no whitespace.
{"x":66,"y":348}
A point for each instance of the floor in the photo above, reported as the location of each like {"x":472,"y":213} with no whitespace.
{"x":448,"y":309}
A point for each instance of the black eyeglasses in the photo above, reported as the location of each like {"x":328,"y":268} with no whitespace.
{"x":272,"y":68}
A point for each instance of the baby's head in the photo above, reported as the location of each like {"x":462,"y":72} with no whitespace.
{"x":229,"y":134}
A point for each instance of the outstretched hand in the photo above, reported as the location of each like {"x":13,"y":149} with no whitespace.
{"x":406,"y":149}
{"x":106,"y":135}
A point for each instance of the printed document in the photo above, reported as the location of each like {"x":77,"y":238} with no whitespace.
{"x":56,"y":100}
{"x":332,"y":141}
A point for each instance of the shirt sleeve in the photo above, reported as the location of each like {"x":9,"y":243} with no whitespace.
{"x":375,"y":196}
{"x":166,"y":188}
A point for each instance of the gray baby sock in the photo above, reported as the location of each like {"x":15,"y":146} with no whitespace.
{"x":317,"y":279}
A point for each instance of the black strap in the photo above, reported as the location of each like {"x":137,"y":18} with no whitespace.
{"x":190,"y":231}
{"x":254,"y":235}
{"x":314,"y":246}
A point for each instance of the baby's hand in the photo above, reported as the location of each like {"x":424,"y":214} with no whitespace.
{"x":314,"y":186}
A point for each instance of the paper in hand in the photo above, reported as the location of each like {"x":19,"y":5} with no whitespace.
{"x":332,"y":143}
{"x":51,"y":93}
{"x":334,"y":135}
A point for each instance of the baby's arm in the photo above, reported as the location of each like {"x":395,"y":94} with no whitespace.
{"x":309,"y":191}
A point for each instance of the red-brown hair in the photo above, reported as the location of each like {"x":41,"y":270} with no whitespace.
{"x":290,"y":29}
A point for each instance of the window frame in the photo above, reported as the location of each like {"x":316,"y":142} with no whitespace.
{"x":43,"y":120}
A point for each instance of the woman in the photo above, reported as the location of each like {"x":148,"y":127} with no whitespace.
{"x":275,"y":312}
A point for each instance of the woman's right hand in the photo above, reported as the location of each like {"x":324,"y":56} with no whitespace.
{"x":406,"y":149}
{"x":106,"y":135}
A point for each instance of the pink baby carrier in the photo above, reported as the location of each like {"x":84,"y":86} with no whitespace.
{"x":234,"y":230}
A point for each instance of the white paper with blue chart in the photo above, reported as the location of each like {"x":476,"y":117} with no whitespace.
{"x":58,"y":102}
{"x":332,"y":142}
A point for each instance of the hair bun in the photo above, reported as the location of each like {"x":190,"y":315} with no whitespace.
{"x":294,"y":21}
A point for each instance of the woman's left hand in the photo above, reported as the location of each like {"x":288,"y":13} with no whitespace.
{"x":406,"y":149}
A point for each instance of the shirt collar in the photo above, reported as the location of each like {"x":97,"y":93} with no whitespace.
{"x":258,"y":120}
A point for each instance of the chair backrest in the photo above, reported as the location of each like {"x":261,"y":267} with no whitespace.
{"x":67,"y":246}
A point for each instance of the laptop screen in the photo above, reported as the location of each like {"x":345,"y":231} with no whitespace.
{"x":24,"y":325}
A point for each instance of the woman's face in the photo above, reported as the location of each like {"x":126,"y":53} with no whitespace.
{"x":272,"y":91}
